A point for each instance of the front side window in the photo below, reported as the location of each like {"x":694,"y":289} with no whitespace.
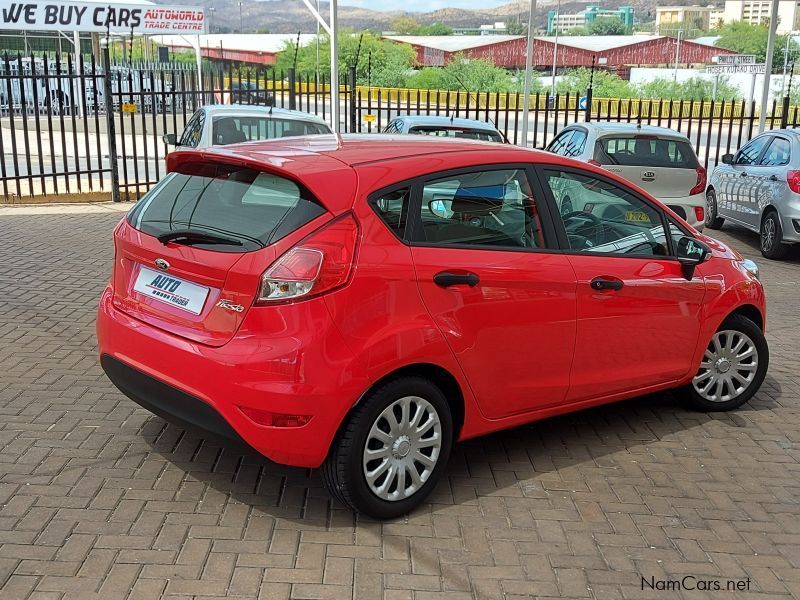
{"x":605,"y":218}
{"x":194,"y":130}
{"x":750,"y":153}
{"x":777,"y":154}
{"x":481,"y":208}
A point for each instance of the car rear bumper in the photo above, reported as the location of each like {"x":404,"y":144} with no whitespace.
{"x":789,"y":213}
{"x":685,"y":208}
{"x":304,"y":372}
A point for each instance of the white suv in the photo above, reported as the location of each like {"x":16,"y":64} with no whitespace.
{"x":659,"y":160}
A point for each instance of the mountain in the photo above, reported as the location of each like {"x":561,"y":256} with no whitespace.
{"x":291,"y":16}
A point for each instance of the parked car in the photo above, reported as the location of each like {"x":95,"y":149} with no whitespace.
{"x":659,"y":160}
{"x":445,"y":127}
{"x":759,"y":188}
{"x":221,"y":124}
{"x":249,"y":92}
{"x":360,"y":303}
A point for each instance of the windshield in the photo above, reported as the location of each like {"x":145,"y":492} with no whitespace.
{"x":251,"y":207}
{"x":236,"y":129}
{"x":457,"y":132}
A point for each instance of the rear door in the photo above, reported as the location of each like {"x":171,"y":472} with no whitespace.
{"x":638,"y":317}
{"x":482,"y":244}
{"x":227,"y":224}
{"x":665,"y":167}
{"x":771,"y":171}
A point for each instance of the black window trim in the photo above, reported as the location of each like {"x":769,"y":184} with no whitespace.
{"x":413,"y":221}
{"x":561,"y":231}
{"x":773,"y":137}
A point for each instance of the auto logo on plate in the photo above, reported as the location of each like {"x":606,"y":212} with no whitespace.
{"x":162,"y":264}
{"x":648,"y":176}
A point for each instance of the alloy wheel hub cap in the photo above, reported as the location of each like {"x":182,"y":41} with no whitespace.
{"x":728,"y":367}
{"x":401,"y":447}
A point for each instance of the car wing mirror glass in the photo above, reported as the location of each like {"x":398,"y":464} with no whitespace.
{"x":727,"y":159}
{"x":170,"y":139}
{"x":691,"y":252}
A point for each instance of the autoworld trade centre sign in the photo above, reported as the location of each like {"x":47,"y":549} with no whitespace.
{"x":100,"y":18}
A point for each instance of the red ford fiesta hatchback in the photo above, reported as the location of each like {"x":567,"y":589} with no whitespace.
{"x":361,"y":303}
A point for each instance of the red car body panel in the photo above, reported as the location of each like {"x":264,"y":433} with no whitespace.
{"x":533,"y":340}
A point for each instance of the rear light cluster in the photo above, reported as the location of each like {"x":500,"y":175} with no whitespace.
{"x":700,"y":213}
{"x":320,"y":263}
{"x":700,"y":184}
{"x":793,"y":179}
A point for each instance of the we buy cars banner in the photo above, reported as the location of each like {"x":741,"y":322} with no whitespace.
{"x":99,"y":17}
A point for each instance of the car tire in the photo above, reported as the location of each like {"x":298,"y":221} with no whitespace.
{"x":771,"y":237}
{"x":712,"y":220}
{"x":382,"y":424}
{"x":710,"y":389}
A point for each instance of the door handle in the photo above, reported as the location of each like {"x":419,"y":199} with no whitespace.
{"x":773,"y":178}
{"x":602,"y":283}
{"x":447,"y":279}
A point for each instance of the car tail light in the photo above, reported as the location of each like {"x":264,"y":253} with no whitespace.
{"x":700,"y":184}
{"x":594,"y":162}
{"x":320,"y":263}
{"x":793,"y":179}
{"x":271,"y":419}
{"x":700,"y":213}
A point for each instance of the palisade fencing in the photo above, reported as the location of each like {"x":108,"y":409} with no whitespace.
{"x":56,"y":116}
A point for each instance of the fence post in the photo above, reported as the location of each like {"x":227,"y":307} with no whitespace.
{"x":587,"y":116}
{"x":111,"y":131}
{"x":351,"y":83}
{"x":785,"y":112}
{"x":292,"y":89}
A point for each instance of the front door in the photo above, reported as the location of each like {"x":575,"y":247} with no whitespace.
{"x":744,"y":183}
{"x":637,"y":315}
{"x":504,"y":302}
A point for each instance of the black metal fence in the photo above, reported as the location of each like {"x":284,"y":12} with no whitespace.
{"x":94,"y":126}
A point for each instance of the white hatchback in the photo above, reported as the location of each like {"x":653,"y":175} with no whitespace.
{"x":659,"y":160}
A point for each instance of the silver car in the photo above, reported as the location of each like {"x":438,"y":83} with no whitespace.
{"x":759,"y":188}
{"x":223,"y":124}
{"x":659,"y":160}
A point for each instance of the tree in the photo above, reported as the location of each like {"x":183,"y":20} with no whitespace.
{"x":695,"y":88}
{"x":403,"y":25}
{"x":516,"y":27}
{"x":474,"y":75}
{"x":745,"y":38}
{"x":390,"y":62}
{"x":607,"y":26}
{"x":604,"y":84}
{"x":433,"y":29}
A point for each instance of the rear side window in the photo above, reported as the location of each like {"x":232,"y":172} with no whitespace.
{"x":645,"y":151}
{"x":232,"y":130}
{"x":392,"y":208}
{"x":253,"y":208}
{"x":777,"y":153}
{"x":458,"y":132}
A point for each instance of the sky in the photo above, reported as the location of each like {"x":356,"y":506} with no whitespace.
{"x":422,"y":5}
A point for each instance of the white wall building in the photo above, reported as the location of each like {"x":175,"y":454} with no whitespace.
{"x":757,"y":11}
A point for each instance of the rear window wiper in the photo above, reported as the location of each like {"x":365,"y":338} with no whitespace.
{"x":190,"y":236}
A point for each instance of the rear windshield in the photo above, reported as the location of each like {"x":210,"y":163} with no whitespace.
{"x":458,"y":132}
{"x":251,"y":208}
{"x":232,"y":130}
{"x":645,"y":151}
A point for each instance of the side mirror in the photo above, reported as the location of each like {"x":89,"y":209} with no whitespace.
{"x":691,"y":252}
{"x":727,"y":159}
{"x":170,"y":138}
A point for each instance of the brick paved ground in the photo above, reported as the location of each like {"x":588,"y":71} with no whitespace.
{"x":99,"y":499}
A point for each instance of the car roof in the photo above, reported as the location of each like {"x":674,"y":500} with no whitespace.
{"x":433,"y":120}
{"x":603,"y":129}
{"x":231,"y":110}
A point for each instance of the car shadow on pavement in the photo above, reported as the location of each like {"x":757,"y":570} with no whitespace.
{"x":750,"y":243}
{"x":529,"y":461}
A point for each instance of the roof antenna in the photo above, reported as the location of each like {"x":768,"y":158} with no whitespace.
{"x":453,"y":116}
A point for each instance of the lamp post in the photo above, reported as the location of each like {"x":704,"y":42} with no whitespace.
{"x":241,"y":21}
{"x":677,"y":54}
{"x":211,"y":12}
{"x":528,"y":68}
